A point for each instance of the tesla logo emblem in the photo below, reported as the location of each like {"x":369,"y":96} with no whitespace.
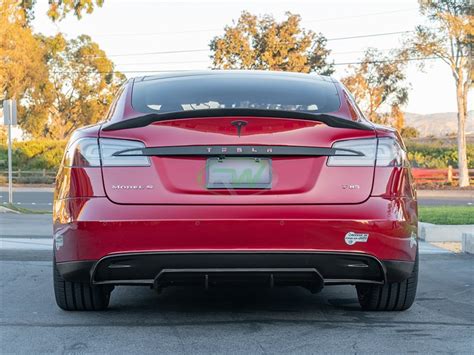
{"x":239,"y":125}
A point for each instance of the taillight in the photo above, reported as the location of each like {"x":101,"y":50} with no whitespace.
{"x":389,"y":153}
{"x":82,"y":153}
{"x":90,"y":152}
{"x":365,"y":146}
{"x":382,"y":152}
{"x":108,"y":147}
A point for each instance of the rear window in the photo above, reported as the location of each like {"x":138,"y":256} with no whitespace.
{"x":311,"y":94}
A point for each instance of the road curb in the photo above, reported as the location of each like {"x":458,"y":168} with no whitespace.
{"x":467,"y":243}
{"x":7,"y":210}
{"x":443,"y":233}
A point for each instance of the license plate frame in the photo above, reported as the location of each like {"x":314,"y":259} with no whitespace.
{"x":240,"y":174}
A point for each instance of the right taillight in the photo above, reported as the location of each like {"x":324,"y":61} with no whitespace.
{"x":380,"y":152}
{"x":389,"y":153}
{"x":366,"y":147}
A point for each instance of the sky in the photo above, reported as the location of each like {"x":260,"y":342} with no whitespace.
{"x":131,"y":32}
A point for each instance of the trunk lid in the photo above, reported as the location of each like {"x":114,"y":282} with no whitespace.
{"x":182,"y":180}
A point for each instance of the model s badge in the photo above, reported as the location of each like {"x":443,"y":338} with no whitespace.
{"x":132,"y":187}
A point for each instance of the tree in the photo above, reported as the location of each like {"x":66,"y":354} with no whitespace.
{"x":82,"y":83}
{"x":58,"y":84}
{"x":449,"y":38}
{"x":58,"y":9}
{"x":20,"y":52}
{"x":409,"y":132}
{"x":377,"y":84}
{"x":263,"y":43}
{"x":21,"y":57}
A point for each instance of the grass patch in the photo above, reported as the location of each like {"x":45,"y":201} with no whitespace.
{"x":24,"y":210}
{"x":446,"y":214}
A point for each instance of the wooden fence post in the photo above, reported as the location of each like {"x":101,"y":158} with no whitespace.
{"x":450,"y":174}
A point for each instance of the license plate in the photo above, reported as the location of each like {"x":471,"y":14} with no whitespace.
{"x":239,"y":173}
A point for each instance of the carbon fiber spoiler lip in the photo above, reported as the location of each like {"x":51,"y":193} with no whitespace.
{"x":145,"y":120}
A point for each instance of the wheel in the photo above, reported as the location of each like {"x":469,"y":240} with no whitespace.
{"x":78,"y":296}
{"x":397,"y":296}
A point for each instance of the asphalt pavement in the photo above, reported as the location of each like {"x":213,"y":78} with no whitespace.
{"x":34,"y":198}
{"x":237,"y":320}
{"x":41,"y":198}
{"x":226,"y":320}
{"x":445,"y":197}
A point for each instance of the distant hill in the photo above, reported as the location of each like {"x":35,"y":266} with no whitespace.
{"x":438,"y":124}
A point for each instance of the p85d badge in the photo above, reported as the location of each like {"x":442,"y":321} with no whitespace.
{"x":352,"y":238}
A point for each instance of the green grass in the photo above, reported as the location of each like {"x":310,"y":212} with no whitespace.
{"x":25,"y":210}
{"x":447,"y":214}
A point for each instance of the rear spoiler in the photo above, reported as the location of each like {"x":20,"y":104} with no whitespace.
{"x":145,"y":120}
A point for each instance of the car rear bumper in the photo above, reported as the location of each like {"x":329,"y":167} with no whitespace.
{"x":310,"y":269}
{"x":94,"y":231}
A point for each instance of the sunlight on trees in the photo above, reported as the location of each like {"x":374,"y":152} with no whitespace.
{"x":263,"y":43}
{"x":58,"y":9}
{"x":22,"y":57}
{"x":449,"y":38}
{"x":377,"y":84}
{"x":60,"y":84}
{"x":82,"y":84}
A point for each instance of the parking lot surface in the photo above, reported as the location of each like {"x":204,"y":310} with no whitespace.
{"x":236,"y":320}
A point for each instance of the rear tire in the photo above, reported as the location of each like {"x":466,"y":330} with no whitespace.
{"x":79,"y":296}
{"x":397,"y":296}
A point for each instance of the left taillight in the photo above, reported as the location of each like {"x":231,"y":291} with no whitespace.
{"x":83,"y":152}
{"x":108,"y":148}
{"x":93,"y":152}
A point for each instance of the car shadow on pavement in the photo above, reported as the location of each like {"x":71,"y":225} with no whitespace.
{"x":235,"y":299}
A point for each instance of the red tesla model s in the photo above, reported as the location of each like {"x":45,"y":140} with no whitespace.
{"x":224,"y":177}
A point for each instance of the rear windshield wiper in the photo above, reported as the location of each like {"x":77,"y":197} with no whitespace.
{"x":145,"y":120}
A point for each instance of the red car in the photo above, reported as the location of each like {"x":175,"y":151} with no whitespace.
{"x":224,"y":177}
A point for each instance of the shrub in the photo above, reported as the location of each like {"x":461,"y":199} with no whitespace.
{"x":409,"y":132}
{"x":436,"y":154}
{"x":35,"y":154}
